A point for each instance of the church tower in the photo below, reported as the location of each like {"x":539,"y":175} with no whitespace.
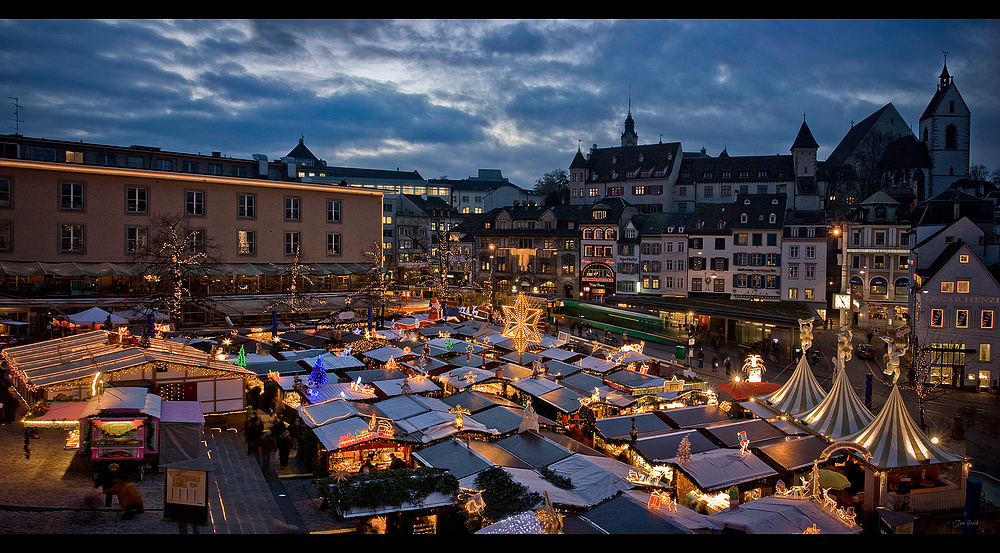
{"x":945,"y":130}
{"x":629,"y":138}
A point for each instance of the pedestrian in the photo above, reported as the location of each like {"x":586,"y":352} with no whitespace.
{"x":105,"y":479}
{"x":368,"y":467}
{"x":715,"y":364}
{"x":869,"y":336}
{"x":590,"y":330}
{"x":285,"y":442}
{"x":701,"y":358}
{"x":252,"y":431}
{"x":625,"y":336}
{"x":9,"y":406}
{"x":396,"y":462}
{"x":129,"y":497}
{"x":729,"y":367}
{"x":268,"y":444}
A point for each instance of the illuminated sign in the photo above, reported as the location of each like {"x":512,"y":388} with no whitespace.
{"x":377,"y":428}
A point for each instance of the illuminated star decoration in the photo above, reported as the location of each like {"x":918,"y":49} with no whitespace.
{"x":521,"y":323}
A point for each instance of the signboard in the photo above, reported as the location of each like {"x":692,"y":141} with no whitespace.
{"x":187,"y":487}
{"x":841,"y":301}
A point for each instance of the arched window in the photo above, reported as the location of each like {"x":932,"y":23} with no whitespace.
{"x":902,"y":286}
{"x":879,"y":287}
{"x":609,"y":234}
{"x":951,"y":137}
{"x":588,"y":234}
{"x":598,"y":234}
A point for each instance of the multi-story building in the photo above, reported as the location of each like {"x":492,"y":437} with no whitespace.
{"x":662,"y":252}
{"x":532,"y":249}
{"x":413,"y":228}
{"x":642,"y":175}
{"x":485,"y":192}
{"x":599,"y":224}
{"x":757,"y":224}
{"x":876,"y":244}
{"x":80,"y":224}
{"x":955,"y":306}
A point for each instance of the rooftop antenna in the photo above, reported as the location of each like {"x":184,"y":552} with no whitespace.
{"x":17,"y":116}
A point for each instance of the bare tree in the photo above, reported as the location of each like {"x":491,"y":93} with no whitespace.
{"x":177,"y":256}
{"x":377,"y":293}
{"x":919,"y":381}
{"x":297,"y":274}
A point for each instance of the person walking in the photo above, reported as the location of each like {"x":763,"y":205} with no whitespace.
{"x":701,"y":358}
{"x":715,"y":364}
{"x":268,"y":444}
{"x":106,"y":479}
{"x":252,"y":431}
{"x":129,"y":497}
{"x":729,"y":367}
{"x":285,"y":442}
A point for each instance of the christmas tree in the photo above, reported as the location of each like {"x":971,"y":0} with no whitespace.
{"x":241,"y":358}
{"x":684,"y":451}
{"x":318,"y":375}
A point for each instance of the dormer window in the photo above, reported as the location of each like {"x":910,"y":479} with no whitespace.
{"x":722,"y":224}
{"x":772,"y":218}
{"x":746,"y":201}
{"x":600,"y":214}
{"x":640,"y":158}
{"x":743,"y":217}
{"x":774,"y":201}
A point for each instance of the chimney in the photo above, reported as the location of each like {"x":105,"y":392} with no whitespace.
{"x":261,"y":160}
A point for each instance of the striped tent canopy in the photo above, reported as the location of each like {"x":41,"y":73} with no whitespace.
{"x":840,"y":413}
{"x":895,"y":441}
{"x":801,"y":393}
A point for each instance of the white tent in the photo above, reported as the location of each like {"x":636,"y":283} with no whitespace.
{"x":95,"y":316}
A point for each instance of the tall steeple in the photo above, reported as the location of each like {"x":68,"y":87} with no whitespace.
{"x":629,"y":137}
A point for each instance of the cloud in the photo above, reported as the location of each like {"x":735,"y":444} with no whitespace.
{"x":453,"y":96}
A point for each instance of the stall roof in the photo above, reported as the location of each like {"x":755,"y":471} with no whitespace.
{"x":757,"y":430}
{"x":625,"y":515}
{"x":477,"y":401}
{"x":894,"y":440}
{"x":402,"y":407}
{"x":777,"y":515}
{"x":689,"y":417}
{"x":559,"y":354}
{"x":332,"y":410}
{"x":533,"y":449}
{"x":181,"y":412}
{"x":563,"y":399}
{"x":800,"y":393}
{"x":501,"y":418}
{"x":394,"y":386}
{"x":794,"y":454}
{"x":460,"y":459}
{"x":633,"y":379}
{"x":464,"y":377}
{"x":619,"y":428}
{"x":662,"y":448}
{"x":718,"y":469}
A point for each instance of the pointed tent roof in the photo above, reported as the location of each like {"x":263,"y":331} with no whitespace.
{"x":895,"y":441}
{"x":840,"y":413}
{"x":801,"y":393}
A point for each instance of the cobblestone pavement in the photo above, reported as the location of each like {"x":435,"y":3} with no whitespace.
{"x":52,"y":492}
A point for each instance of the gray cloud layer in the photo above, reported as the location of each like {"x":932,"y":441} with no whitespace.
{"x":450,"y":97}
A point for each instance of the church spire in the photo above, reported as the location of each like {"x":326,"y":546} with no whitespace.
{"x":945,"y":79}
{"x":629,"y":137}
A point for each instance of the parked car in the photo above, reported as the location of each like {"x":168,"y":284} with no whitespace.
{"x":864,"y":351}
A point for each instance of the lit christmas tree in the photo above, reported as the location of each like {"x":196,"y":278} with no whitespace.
{"x":318,"y":375}
{"x":241,"y":358}
{"x":684,"y":451}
